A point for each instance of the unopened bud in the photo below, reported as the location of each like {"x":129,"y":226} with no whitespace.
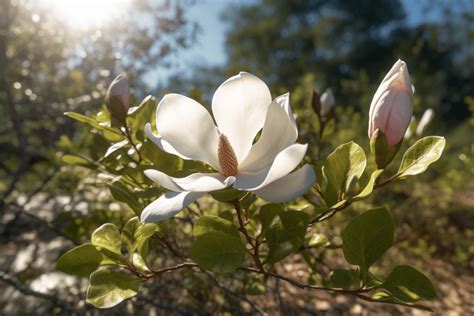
{"x":118,"y":97}
{"x":327,"y":102}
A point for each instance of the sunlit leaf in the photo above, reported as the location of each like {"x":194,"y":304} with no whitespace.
{"x":419,"y":156}
{"x":109,"y":287}
{"x":342,"y":166}
{"x":285,"y":234}
{"x":80,"y":261}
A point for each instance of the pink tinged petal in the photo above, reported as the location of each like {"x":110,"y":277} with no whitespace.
{"x":168,"y":205}
{"x":399,"y":117}
{"x":279,"y":131}
{"x":239,"y":106}
{"x":188,"y":127}
{"x":161,"y":143}
{"x":386,"y":101}
{"x":197,"y":182}
{"x":290,"y":186}
{"x":284,"y":163}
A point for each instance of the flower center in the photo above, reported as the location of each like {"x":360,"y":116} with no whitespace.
{"x":227,"y":158}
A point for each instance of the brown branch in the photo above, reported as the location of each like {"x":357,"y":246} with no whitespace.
{"x":250,"y":240}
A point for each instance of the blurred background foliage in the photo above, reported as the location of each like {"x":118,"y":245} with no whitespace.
{"x":48,"y":68}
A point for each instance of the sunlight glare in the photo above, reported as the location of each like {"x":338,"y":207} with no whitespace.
{"x":87,"y":13}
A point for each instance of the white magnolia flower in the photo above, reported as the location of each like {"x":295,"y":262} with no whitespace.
{"x":242,"y":106}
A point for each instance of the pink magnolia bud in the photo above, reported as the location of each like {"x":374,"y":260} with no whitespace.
{"x":327,"y":102}
{"x":392,"y":105}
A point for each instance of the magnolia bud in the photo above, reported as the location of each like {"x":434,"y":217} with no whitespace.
{"x":118,"y":97}
{"x":424,"y":121}
{"x":392,"y":105}
{"x":327,"y":102}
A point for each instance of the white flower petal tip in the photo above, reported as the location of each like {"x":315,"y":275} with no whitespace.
{"x":161,"y":143}
{"x":197,"y":182}
{"x":168,"y":205}
{"x":239,"y":106}
{"x":290,"y":186}
{"x":188,"y":127}
{"x":286,"y":160}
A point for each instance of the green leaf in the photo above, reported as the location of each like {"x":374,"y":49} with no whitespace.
{"x":268,"y":213}
{"x":209,"y":223}
{"x":128,"y":233}
{"x":345,"y":279}
{"x":226,"y":195}
{"x":121,"y":193}
{"x":342,"y":166}
{"x":419,"y":156}
{"x":92,"y":122}
{"x":286,"y":234}
{"x":78,"y":161}
{"x":80,"y":261}
{"x":143,"y":113}
{"x":409,"y":285}
{"x":107,"y":237}
{"x":217,"y":246}
{"x":367,"y":237}
{"x":218,"y":251}
{"x":109,"y":287}
{"x":369,"y":186}
{"x":161,"y":160}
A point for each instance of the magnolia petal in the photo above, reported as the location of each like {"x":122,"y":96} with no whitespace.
{"x":284,"y":163}
{"x":279,"y":131}
{"x":188,"y":127}
{"x":239,"y":106}
{"x":168,"y":205}
{"x":197,"y":182}
{"x":290,"y":186}
{"x":161,"y":143}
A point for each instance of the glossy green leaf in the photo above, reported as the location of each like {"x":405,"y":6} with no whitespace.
{"x":369,"y":187}
{"x":80,"y":261}
{"x":161,"y":160}
{"x":344,"y":278}
{"x":285,"y":234}
{"x":122,"y":193}
{"x":367,"y":237}
{"x":107,"y":237}
{"x":128,"y":233}
{"x":268,"y":213}
{"x":419,"y":156}
{"x":209,"y":223}
{"x":218,"y":251}
{"x":109,"y":287}
{"x":409,"y":285}
{"x":342,"y":166}
{"x":92,"y":122}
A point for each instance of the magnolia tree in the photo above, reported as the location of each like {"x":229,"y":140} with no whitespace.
{"x":237,"y":176}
